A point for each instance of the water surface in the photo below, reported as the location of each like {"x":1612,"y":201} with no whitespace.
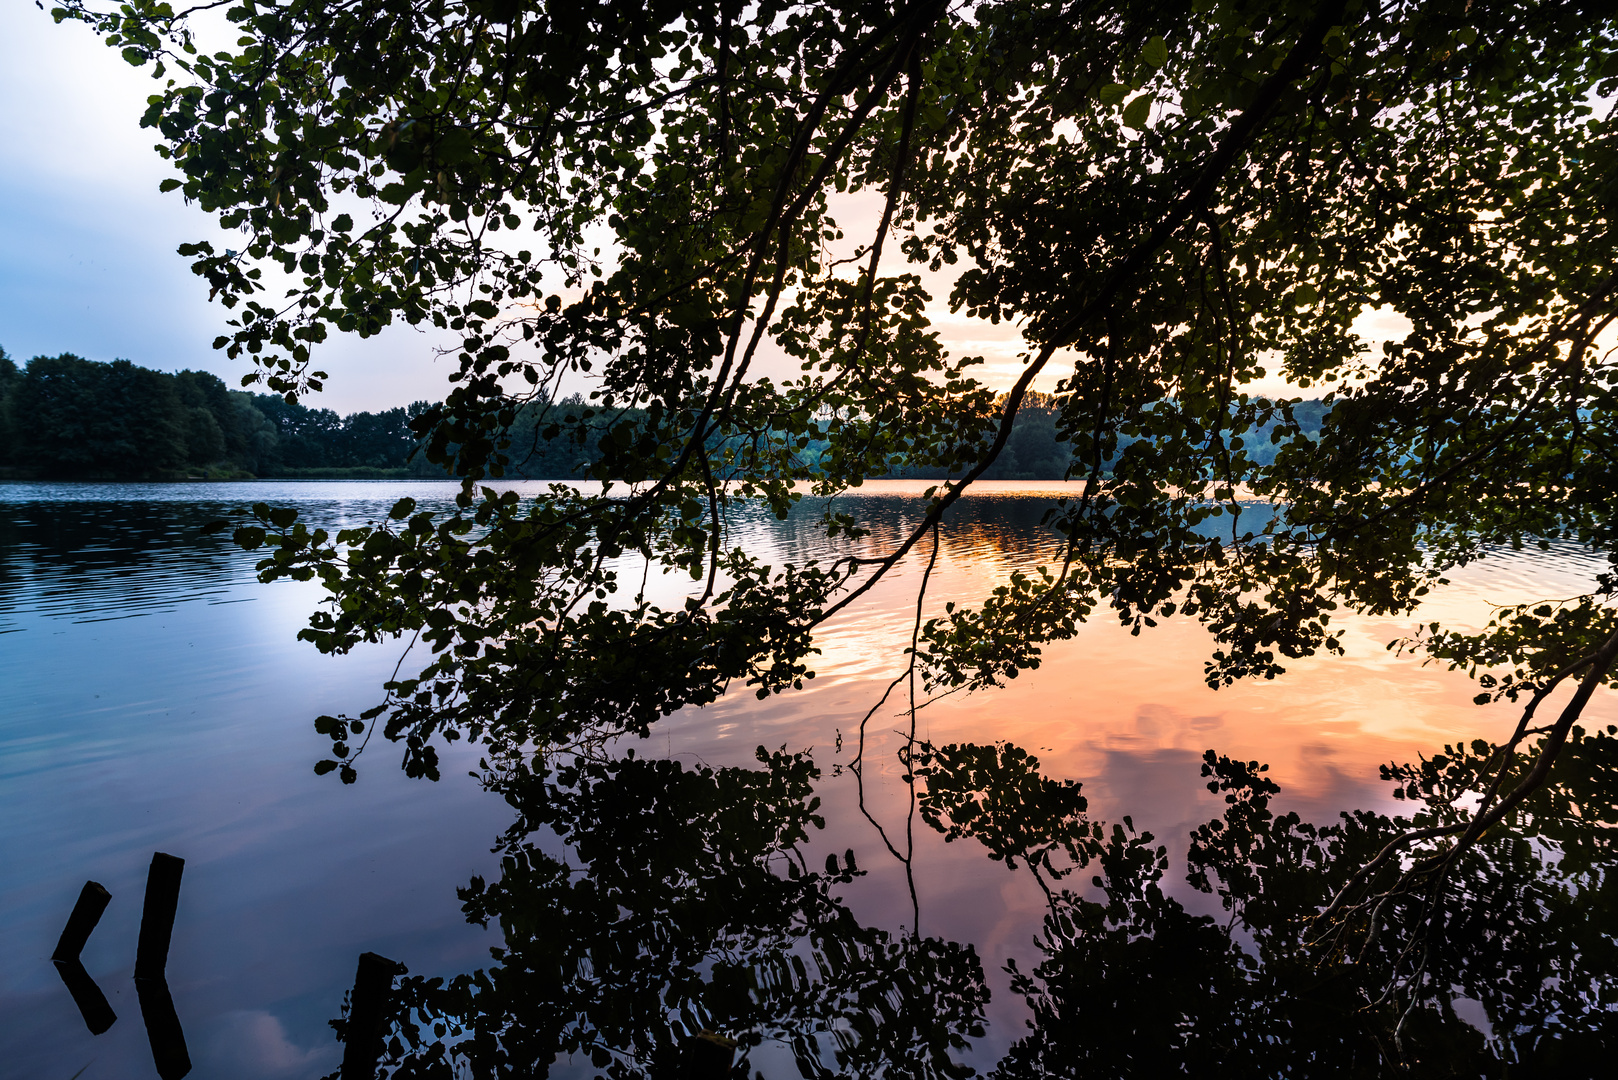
{"x":156,"y":699}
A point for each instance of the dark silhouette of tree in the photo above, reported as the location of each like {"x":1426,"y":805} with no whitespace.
{"x":68,"y":417}
{"x":83,"y":418}
{"x":1171,"y":202}
{"x":642,"y":902}
{"x":10,"y":375}
{"x":1131,"y":984}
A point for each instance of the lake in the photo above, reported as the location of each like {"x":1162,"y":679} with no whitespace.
{"x":156,"y":699}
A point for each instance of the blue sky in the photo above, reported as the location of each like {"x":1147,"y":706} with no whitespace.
{"x":87,"y":243}
{"x":87,"y":259}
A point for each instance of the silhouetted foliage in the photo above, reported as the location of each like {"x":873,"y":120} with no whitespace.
{"x":73,"y":417}
{"x":1172,"y":204}
{"x":643,"y":901}
{"x":10,"y":374}
{"x":314,"y":439}
{"x":1514,"y":970}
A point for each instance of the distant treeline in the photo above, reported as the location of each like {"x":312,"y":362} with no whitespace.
{"x":70,"y":418}
{"x":64,"y":417}
{"x":1033,"y":451}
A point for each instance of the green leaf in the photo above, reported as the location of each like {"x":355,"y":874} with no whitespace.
{"x":1138,"y":111}
{"x":1112,"y":93}
{"x":1156,"y":53}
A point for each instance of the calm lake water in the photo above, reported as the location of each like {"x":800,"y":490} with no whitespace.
{"x":155,"y":699}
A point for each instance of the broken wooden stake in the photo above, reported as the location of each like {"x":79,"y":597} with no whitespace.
{"x":93,"y":900}
{"x":368,"y":1009}
{"x":157,"y":917}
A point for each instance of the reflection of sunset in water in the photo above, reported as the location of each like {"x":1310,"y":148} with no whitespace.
{"x":1324,"y":726}
{"x":1128,"y":716}
{"x":190,"y":734}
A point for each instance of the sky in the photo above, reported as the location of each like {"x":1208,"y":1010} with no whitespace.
{"x":87,"y":243}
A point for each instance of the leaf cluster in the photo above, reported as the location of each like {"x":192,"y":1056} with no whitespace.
{"x":1170,"y":202}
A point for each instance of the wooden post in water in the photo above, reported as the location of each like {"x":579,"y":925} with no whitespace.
{"x":92,"y":1003}
{"x":163,"y":1029}
{"x":157,"y":917}
{"x":93,"y":900}
{"x":368,"y":1008}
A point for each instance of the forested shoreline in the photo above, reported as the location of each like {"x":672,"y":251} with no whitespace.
{"x":67,"y":418}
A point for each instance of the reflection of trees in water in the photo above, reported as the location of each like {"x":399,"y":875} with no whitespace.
{"x":86,"y":536}
{"x":113,"y":557}
{"x":1009,"y":528}
{"x":1013,"y":529}
{"x":683,"y":903}
{"x":1131,"y":984}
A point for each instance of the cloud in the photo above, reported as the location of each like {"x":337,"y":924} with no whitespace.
{"x":251,"y":1044}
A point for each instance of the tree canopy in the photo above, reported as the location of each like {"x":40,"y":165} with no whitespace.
{"x":1171,"y":202}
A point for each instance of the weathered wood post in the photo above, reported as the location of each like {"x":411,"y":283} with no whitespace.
{"x":163,"y":1029}
{"x":368,"y":1008}
{"x":93,"y":900}
{"x":157,"y":917}
{"x":92,"y":1003}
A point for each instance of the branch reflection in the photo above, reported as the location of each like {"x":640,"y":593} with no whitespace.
{"x":644,"y":903}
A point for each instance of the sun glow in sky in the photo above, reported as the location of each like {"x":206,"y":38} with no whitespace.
{"x":87,"y":243}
